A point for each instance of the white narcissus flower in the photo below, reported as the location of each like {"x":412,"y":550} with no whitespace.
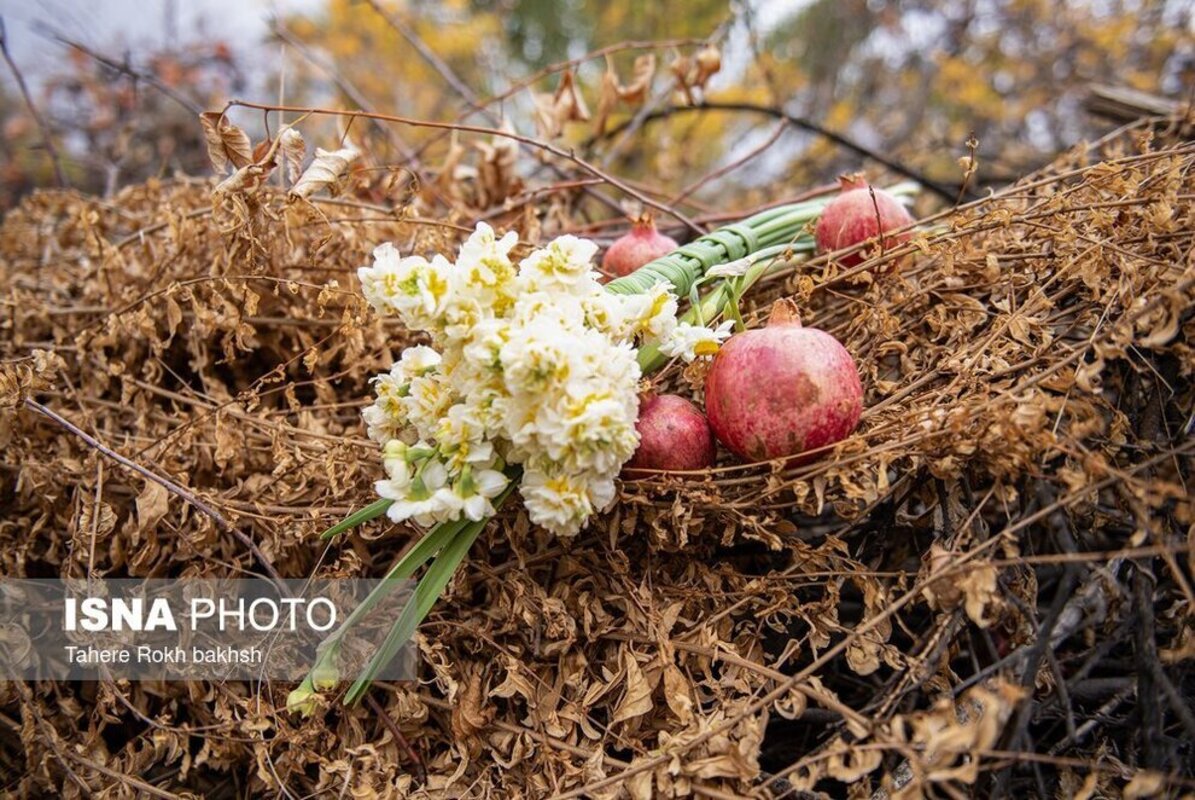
{"x":418,"y":360}
{"x":653,"y":313}
{"x":477,"y":489}
{"x":532,"y":365}
{"x":592,"y":431}
{"x":607,"y":314}
{"x":559,"y":503}
{"x":411,"y":287}
{"x":484,"y":349}
{"x":539,"y":356}
{"x":485,"y":252}
{"x":543,"y":307}
{"x":384,"y":421}
{"x":426,"y":499}
{"x":427,"y":400}
{"x":398,"y":468}
{"x":461,"y":438}
{"x":691,"y":341}
{"x":564,"y":266}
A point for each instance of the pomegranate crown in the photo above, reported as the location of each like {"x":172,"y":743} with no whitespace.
{"x":785,"y":312}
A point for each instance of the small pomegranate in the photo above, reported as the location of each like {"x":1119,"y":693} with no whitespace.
{"x":782,"y":390}
{"x":854,"y":217}
{"x":634,"y":249}
{"x":673,"y":435}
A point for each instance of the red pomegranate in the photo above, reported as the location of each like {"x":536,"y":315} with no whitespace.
{"x":782,"y":390}
{"x":855,"y":216}
{"x":673,"y":435}
{"x":634,"y":249}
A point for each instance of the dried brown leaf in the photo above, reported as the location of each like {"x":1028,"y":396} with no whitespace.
{"x":326,"y":172}
{"x":226,"y":143}
{"x":636,"y":699}
{"x":293,"y":150}
{"x":152,"y":504}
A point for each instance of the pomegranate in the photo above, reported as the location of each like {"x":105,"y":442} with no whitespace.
{"x":782,"y":390}
{"x":632,"y":250}
{"x":673,"y":435}
{"x":854,"y":217}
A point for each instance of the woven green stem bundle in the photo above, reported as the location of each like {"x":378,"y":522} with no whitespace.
{"x":686,"y":265}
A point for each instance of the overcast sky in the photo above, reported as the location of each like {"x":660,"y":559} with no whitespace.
{"x":114,"y":25}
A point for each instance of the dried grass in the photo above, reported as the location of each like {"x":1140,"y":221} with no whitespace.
{"x":953,"y":601}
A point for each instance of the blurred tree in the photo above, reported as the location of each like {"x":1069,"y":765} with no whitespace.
{"x":911,"y":79}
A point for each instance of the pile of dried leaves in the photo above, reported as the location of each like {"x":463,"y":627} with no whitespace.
{"x":987,"y":589}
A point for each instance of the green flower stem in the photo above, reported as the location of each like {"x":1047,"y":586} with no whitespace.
{"x":371,"y":511}
{"x":716,"y":300}
{"x":427,"y":592}
{"x":424,"y":550}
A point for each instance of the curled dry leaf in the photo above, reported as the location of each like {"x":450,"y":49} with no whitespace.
{"x":979,"y":593}
{"x":326,"y":172}
{"x":226,"y":143}
{"x":565,"y":105}
{"x":973,"y":586}
{"x":607,"y":98}
{"x":682,"y":71}
{"x":152,"y":504}
{"x":245,"y":179}
{"x":293,"y":150}
{"x":635,"y":92}
{"x":637,"y":700}
{"x":689,"y":73}
{"x":613,"y":90}
{"x":708,"y":62}
{"x":496,"y":171}
{"x":469,"y":714}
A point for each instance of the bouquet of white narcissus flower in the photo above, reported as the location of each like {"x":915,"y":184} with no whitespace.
{"x":531,"y":364}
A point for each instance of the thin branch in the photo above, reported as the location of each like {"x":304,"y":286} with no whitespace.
{"x":430,"y":56}
{"x":349,"y":89}
{"x":947,"y":193}
{"x":559,"y":152}
{"x":732,"y":166}
{"x":165,"y":483}
{"x":561,"y":66}
{"x":123,"y":68}
{"x":475,"y":103}
{"x":399,"y":739}
{"x":47,"y":140}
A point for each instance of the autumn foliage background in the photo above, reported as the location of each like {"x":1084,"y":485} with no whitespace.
{"x":913,"y":80}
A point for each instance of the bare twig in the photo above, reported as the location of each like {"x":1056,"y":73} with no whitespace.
{"x":946,"y":192}
{"x":561,"y":66}
{"x":349,"y":89}
{"x":470,"y":97}
{"x":399,"y":739}
{"x":559,"y":152}
{"x":123,"y":68}
{"x":47,"y":139}
{"x":429,"y":55}
{"x":732,"y":166}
